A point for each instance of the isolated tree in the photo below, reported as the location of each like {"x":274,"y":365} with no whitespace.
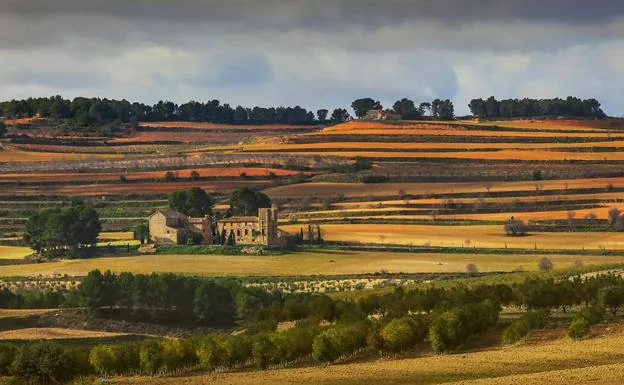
{"x":194,"y":202}
{"x":195,"y":175}
{"x":322,"y":115}
{"x":515,"y":227}
{"x":170,"y":176}
{"x":472,"y":268}
{"x":614,"y":214}
{"x":247,"y":202}
{"x":545,"y":264}
{"x":362,"y":106}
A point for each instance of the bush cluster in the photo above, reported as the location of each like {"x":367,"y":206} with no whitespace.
{"x":522,"y":326}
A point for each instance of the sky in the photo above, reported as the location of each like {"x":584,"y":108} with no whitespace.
{"x":313,"y":53}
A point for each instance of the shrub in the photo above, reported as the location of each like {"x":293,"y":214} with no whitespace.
{"x":579,"y":328}
{"x":7,"y":356}
{"x":149,"y":356}
{"x":403,"y":333}
{"x":545,"y":264}
{"x":43,"y":363}
{"x":584,"y":319}
{"x":362,"y":163}
{"x":339,"y":341}
{"x":375,"y":179}
{"x":195,"y":175}
{"x":453,"y":327}
{"x":523,"y":325}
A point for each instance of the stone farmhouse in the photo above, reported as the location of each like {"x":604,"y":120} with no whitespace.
{"x":173,"y":228}
{"x":381,"y":115}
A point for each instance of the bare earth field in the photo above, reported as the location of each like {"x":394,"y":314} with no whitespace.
{"x":325,"y":262}
{"x":556,"y":361}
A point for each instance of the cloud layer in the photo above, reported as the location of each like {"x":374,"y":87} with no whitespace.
{"x":316,"y":53}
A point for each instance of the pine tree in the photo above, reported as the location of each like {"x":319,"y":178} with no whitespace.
{"x":231,"y":241}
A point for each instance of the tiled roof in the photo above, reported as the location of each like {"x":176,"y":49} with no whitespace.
{"x":172,"y":214}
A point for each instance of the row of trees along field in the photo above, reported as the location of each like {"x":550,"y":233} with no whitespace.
{"x":326,"y":330}
{"x":516,"y":108}
{"x":407,"y":109}
{"x":94,"y":111}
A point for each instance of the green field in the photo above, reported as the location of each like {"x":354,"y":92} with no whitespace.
{"x":321,"y":262}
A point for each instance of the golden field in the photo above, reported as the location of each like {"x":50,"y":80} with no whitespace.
{"x":8,"y":252}
{"x":482,"y":236}
{"x":322,"y":262}
{"x":10,"y":313}
{"x":548,"y":358}
{"x":52,"y":334}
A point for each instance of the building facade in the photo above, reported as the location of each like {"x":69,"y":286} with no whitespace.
{"x":381,"y":115}
{"x":172,"y":227}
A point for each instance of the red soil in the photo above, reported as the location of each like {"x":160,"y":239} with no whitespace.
{"x":130,"y":189}
{"x":182,"y":173}
{"x":205,"y":126}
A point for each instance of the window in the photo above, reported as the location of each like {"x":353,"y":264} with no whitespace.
{"x":238,"y":232}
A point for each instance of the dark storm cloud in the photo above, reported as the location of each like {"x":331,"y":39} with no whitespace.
{"x":337,"y":13}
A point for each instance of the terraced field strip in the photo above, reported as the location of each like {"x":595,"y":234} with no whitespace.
{"x":10,"y":252}
{"x":556,"y":360}
{"x":460,"y":132}
{"x":308,"y":263}
{"x":10,"y":155}
{"x":481,"y":236}
{"x":329,"y":190}
{"x":520,"y":155}
{"x":558,"y":124}
{"x":129,"y":189}
{"x":53,"y":334}
{"x":182,"y":173}
{"x":218,"y":126}
{"x":427,"y":145}
{"x":18,"y":313}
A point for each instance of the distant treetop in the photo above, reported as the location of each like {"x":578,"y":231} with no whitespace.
{"x":518,"y":108}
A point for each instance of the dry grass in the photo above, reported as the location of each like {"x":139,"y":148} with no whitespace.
{"x":118,"y":236}
{"x":559,"y":361}
{"x":8,"y":154}
{"x":10,"y":252}
{"x":304,"y":263}
{"x":6,"y":313}
{"x":53,"y":334}
{"x":486,"y":236}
